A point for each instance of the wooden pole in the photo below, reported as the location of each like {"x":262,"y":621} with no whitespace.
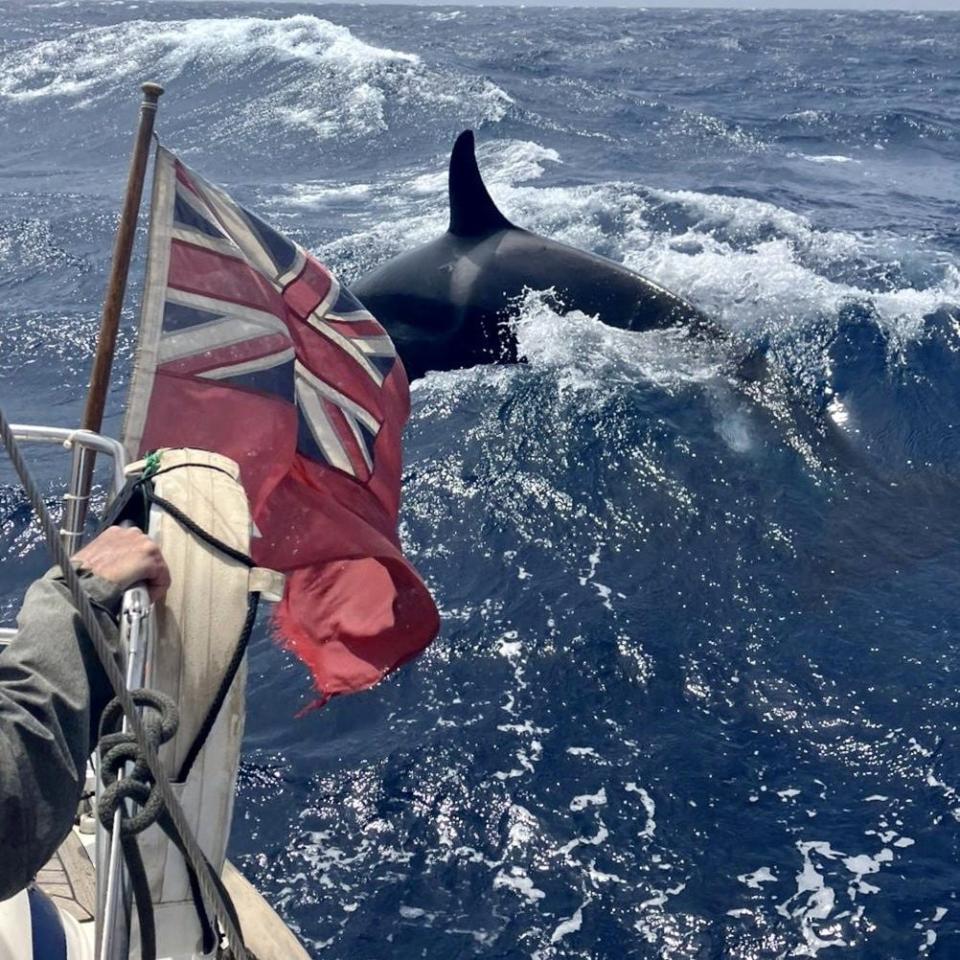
{"x":78,"y":497}
{"x":122,"y":250}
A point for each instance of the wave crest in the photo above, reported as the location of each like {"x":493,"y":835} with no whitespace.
{"x":305,"y":72}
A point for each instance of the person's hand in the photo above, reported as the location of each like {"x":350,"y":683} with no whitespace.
{"x":125,"y":556}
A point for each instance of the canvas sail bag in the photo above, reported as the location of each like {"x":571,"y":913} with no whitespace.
{"x":198,"y":626}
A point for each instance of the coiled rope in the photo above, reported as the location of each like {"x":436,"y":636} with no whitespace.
{"x":213,"y":898}
{"x":119,"y":748}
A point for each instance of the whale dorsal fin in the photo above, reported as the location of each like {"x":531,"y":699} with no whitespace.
{"x":472,"y":210}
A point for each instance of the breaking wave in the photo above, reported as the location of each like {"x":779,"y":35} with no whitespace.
{"x":694,"y":678}
{"x":766,"y":273}
{"x":302,"y":72}
{"x":759,"y":267}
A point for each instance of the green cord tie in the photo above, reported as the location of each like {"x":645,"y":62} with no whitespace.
{"x":151,"y":464}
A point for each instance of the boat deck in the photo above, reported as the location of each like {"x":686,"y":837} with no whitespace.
{"x":69,"y":880}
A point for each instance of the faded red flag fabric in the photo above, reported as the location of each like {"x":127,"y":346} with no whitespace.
{"x":251,"y":348}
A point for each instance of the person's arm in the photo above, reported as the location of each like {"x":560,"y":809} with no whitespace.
{"x":51,"y":688}
{"x":52,"y":691}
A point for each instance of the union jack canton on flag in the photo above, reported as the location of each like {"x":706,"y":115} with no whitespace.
{"x":251,"y":348}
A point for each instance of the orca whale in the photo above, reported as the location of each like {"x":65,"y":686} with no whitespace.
{"x":445,"y":304}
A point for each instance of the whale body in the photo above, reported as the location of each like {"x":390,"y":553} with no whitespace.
{"x":445,"y":304}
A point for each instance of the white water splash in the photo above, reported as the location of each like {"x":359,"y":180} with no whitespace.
{"x":762,"y":271}
{"x":317,"y":76}
{"x":585,"y":800}
{"x":649,"y":807}
{"x":757,"y":878}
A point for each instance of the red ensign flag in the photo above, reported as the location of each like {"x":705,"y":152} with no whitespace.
{"x":250,"y":347}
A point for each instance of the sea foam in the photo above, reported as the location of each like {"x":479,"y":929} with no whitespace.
{"x":764,"y":272}
{"x":300,"y":71}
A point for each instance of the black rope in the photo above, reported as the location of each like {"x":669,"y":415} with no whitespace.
{"x":145,"y":484}
{"x":189,"y":524}
{"x":120,"y":747}
{"x":236,"y":659}
{"x":140,"y":885}
{"x":224,"y":688}
{"x":207,"y":932}
{"x":211,"y":891}
{"x":180,"y":466}
{"x":117,"y":749}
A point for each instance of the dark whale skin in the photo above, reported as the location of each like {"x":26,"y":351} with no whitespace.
{"x":445,"y":303}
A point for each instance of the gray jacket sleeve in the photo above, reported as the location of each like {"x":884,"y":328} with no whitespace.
{"x":52,"y":691}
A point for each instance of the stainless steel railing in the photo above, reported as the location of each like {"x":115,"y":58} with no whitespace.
{"x":82,"y":444}
{"x":114,"y":893}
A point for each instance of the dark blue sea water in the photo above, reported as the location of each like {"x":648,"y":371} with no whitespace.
{"x":696,"y":690}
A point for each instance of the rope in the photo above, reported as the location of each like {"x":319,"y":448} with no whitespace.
{"x":116,"y":750}
{"x":212,"y":896}
{"x":190,"y":525}
{"x":221,"y":695}
{"x":120,"y":747}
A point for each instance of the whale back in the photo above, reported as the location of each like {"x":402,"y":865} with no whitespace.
{"x":446,"y":304}
{"x":472,"y":210}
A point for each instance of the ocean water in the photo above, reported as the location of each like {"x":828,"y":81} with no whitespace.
{"x":695,"y":695}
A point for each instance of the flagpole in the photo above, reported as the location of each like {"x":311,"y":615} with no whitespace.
{"x":110,"y":317}
{"x":122,"y":250}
